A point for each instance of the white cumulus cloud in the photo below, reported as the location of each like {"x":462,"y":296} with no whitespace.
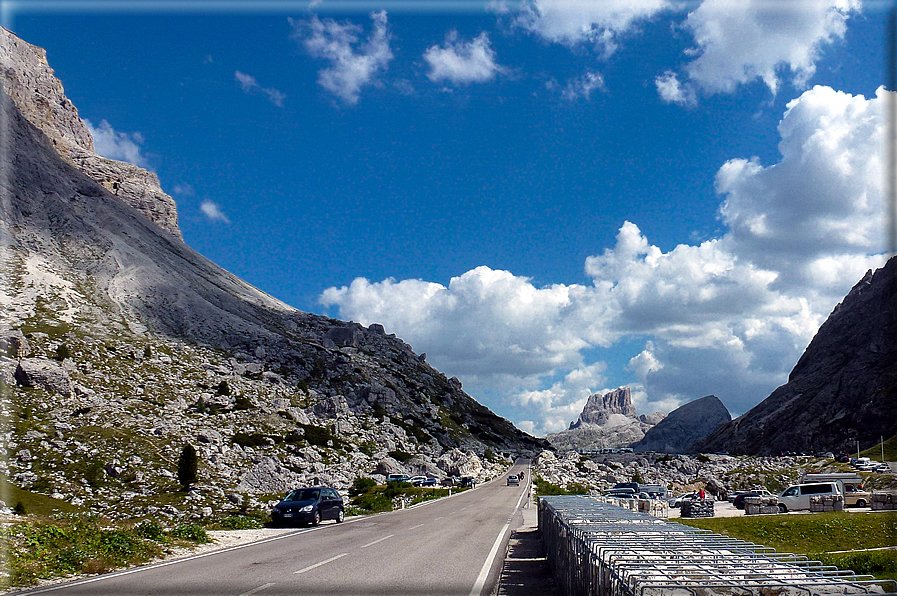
{"x":250,"y":85}
{"x":461,"y":62}
{"x":729,"y":316}
{"x":354,"y":63}
{"x":741,"y":41}
{"x":122,"y":146}
{"x":572,"y":22}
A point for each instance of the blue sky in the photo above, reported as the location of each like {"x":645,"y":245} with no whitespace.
{"x":550,"y":197}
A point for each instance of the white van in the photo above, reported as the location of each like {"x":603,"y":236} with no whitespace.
{"x":797,"y":496}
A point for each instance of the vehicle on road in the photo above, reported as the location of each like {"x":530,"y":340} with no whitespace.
{"x":309,"y":505}
{"x":797,"y":496}
{"x":513,"y":480}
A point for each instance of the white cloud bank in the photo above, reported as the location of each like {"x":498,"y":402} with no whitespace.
{"x":573,"y":22}
{"x":122,"y":146}
{"x":460,"y":62}
{"x":729,"y":316}
{"x":249,"y":85}
{"x":741,"y":41}
{"x":354,"y":63}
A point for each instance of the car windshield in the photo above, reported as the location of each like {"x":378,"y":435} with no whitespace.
{"x":304,"y":494}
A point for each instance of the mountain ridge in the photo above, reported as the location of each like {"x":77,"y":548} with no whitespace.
{"x":123,"y":343}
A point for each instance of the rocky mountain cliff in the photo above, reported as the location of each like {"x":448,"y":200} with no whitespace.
{"x":843,"y":388}
{"x":121,"y":344}
{"x":684,"y":426}
{"x":607,"y":420}
{"x":601,"y":408}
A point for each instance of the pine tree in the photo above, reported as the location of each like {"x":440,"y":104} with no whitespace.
{"x":188,"y":465}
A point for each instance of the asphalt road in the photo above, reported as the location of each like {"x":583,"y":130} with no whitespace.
{"x":452,"y":546}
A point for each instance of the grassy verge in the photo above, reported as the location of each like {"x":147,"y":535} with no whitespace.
{"x":369,"y":498}
{"x":66,"y":544}
{"x":817,"y":535}
{"x":543,"y":487}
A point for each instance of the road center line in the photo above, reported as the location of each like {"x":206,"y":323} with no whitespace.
{"x":379,"y":540}
{"x":258,"y":589}
{"x":416,"y":527}
{"x":316,"y":565}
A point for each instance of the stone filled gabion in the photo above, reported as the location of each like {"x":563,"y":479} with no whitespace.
{"x":884,"y":501}
{"x":827,"y":503}
{"x":697,"y":508}
{"x":761,"y":505}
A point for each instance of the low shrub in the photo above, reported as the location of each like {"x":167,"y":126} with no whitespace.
{"x":191,"y":532}
{"x":150,"y":529}
{"x":240,"y":522}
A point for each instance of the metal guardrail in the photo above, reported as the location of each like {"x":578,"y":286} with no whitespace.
{"x":599,"y":549}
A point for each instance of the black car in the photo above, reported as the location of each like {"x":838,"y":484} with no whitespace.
{"x":309,"y":505}
{"x":739,"y":500}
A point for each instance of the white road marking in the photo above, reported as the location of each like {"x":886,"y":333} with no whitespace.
{"x":437,"y":518}
{"x":316,"y":565}
{"x":484,"y":572}
{"x":259,"y":589}
{"x":416,"y":527}
{"x":378,"y":540}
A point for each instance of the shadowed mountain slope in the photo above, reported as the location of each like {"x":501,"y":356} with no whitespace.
{"x":843,"y":388}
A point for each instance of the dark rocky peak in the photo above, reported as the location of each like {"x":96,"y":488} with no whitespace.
{"x":842,"y":389}
{"x":684,"y":426}
{"x":600,"y":407}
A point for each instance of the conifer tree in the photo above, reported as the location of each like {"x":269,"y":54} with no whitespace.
{"x":188,"y":465}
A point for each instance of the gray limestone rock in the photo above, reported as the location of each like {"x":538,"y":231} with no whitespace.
{"x":684,"y":426}
{"x":44,"y":374}
{"x":600,"y":407}
{"x":13,"y":344}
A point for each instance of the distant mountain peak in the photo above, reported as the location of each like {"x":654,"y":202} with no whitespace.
{"x":602,"y":409}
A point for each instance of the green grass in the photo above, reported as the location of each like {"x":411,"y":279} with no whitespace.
{"x":816,"y":535}
{"x":874,"y":452}
{"x":34,"y":503}
{"x":67,"y":544}
{"x":543,"y":487}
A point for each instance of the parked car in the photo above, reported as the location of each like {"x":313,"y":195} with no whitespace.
{"x":468,"y":482}
{"x":430,"y":481}
{"x":398,"y":478}
{"x":417,"y":480}
{"x":451,"y":481}
{"x":513,"y":480}
{"x":309,"y":505}
{"x":738,"y":501}
{"x":797,"y":496}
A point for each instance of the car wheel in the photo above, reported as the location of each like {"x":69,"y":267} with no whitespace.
{"x":316,"y":519}
{"x":782,"y":508}
{"x":340,"y":516}
{"x":861,"y":502}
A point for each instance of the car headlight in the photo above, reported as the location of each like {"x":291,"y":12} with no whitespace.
{"x":307,"y":509}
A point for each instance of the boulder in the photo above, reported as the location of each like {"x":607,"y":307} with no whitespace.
{"x":44,"y":374}
{"x":13,"y":344}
